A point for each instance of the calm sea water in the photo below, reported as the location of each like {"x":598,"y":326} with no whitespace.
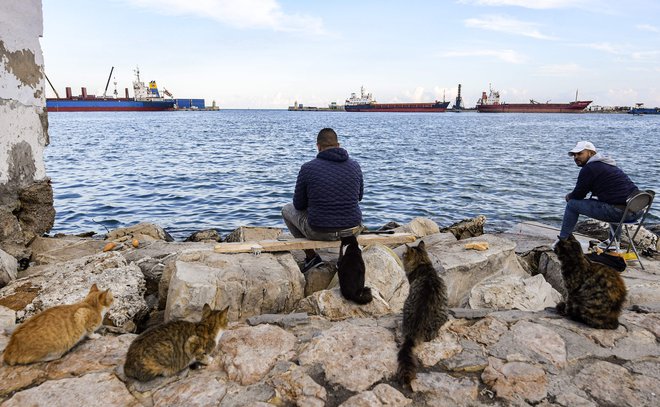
{"x":189,"y":171}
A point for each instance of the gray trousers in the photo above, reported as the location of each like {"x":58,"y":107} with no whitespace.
{"x":298,"y":224}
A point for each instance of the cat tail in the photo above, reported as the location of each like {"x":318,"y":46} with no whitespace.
{"x":363,"y":296}
{"x":408,"y":363}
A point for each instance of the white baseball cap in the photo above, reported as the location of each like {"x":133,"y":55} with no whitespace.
{"x":582,"y":145}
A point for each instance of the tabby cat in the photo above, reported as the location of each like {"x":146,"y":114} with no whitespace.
{"x":594,"y":292}
{"x":425,"y":309}
{"x":166,"y":349}
{"x":351,"y":269}
{"x":50,"y":334}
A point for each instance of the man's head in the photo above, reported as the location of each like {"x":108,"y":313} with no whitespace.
{"x":327,"y":138}
{"x":582,"y":152}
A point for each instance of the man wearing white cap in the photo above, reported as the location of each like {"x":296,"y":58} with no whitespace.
{"x":608,"y":184}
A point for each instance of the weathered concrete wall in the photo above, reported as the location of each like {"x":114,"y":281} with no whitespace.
{"x":26,"y":196}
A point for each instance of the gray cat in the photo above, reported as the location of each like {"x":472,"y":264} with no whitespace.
{"x":424,"y":311}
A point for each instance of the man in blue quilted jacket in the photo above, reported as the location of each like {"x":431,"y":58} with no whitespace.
{"x":327,"y":195}
{"x":600,"y":176}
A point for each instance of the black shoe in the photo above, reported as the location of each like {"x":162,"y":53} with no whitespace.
{"x":310,"y":264}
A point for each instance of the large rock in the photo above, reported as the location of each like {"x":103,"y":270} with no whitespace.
{"x":352,"y":355}
{"x":8,"y":268}
{"x":462,"y":269}
{"x":467,"y":228}
{"x":248,"y":354}
{"x":142,"y":232}
{"x":507,"y":292}
{"x":419,"y":227}
{"x":383,"y":274}
{"x":66,"y":283}
{"x":248,"y":284}
{"x":48,"y":250}
{"x":253,"y":234}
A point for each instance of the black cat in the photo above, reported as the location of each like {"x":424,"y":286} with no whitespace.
{"x":350,"y":268}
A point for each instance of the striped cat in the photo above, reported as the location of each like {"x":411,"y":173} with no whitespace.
{"x":166,"y":349}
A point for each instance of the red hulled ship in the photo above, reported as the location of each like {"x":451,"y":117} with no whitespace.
{"x":491,"y":104}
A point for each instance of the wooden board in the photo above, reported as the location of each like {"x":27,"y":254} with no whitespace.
{"x":301,"y":244}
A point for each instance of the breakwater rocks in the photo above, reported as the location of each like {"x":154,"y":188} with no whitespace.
{"x":293,"y":340}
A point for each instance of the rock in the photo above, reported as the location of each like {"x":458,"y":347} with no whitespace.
{"x":253,"y":234}
{"x":284,"y":321}
{"x":297,"y":387}
{"x":142,"y":232}
{"x":593,"y":228}
{"x":8,"y":268}
{"x":7,"y":319}
{"x":196,"y":390}
{"x":248,"y":354}
{"x":550,"y":268}
{"x":516,"y":381}
{"x":250,"y":285}
{"x":208,"y":235}
{"x":381,"y":395}
{"x":506,"y":292}
{"x":66,"y":283}
{"x":87,"y":390}
{"x":616,"y":386}
{"x":441,"y":389}
{"x":48,"y":250}
{"x":332,"y":305}
{"x":467,"y":228}
{"x":419,"y":227}
{"x":367,"y":356}
{"x":319,"y":277}
{"x":531,"y":342}
{"x":463,"y":269}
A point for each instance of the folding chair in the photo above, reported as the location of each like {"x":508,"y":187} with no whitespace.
{"x":641,"y":201}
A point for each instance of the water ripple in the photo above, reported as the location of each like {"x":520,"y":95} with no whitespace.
{"x":188,"y":171}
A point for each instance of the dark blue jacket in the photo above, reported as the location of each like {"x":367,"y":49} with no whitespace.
{"x":330,"y":187}
{"x":604,"y":180}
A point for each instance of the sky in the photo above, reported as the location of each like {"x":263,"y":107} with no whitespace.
{"x":267,"y":54}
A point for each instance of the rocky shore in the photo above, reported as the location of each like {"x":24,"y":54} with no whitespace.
{"x":293,"y":339}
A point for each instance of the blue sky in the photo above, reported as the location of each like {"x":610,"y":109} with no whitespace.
{"x":270,"y":53}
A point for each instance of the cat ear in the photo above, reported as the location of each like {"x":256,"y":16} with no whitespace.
{"x":206,"y":310}
{"x":421,"y":244}
{"x":94,"y":288}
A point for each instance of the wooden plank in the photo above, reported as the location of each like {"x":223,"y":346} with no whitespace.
{"x":301,"y":244}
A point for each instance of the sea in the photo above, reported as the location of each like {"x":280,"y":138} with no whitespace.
{"x":194,"y":170}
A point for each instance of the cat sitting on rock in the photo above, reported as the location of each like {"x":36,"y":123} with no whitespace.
{"x":52,"y":333}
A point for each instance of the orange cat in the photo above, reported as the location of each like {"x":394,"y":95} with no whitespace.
{"x":53,"y":332}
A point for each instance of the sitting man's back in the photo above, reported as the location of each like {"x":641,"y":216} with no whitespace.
{"x":327,"y":195}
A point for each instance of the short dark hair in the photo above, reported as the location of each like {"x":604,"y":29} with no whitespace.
{"x":327,"y":138}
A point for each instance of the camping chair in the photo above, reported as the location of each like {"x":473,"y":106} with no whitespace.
{"x":641,"y":201}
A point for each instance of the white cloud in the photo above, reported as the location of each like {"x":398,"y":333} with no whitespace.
{"x":242,"y":14}
{"x":560,"y":70}
{"x":645,"y":55}
{"x":533,"y":4}
{"x":648,"y":27}
{"x":507,"y":25}
{"x":603,"y":46}
{"x":506,"y":55}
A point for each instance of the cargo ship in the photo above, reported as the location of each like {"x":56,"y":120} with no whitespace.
{"x":491,"y":104}
{"x":366,"y":103}
{"x":639,"y":109}
{"x":144,"y":99}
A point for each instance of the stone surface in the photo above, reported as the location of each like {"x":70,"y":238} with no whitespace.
{"x":142,"y":231}
{"x":419,"y":227}
{"x":208,"y":235}
{"x":507,"y":292}
{"x":368,"y":355}
{"x":462,"y":269}
{"x":250,"y":285}
{"x":467,"y":228}
{"x":253,"y":234}
{"x":48,"y":250}
{"x":8,"y":268}
{"x":66,"y":283}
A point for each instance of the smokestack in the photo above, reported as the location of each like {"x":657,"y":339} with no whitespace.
{"x":68,"y":93}
{"x":126,"y":91}
{"x":84,"y":92}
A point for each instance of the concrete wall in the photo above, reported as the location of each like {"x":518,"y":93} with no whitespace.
{"x":26,"y":196}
